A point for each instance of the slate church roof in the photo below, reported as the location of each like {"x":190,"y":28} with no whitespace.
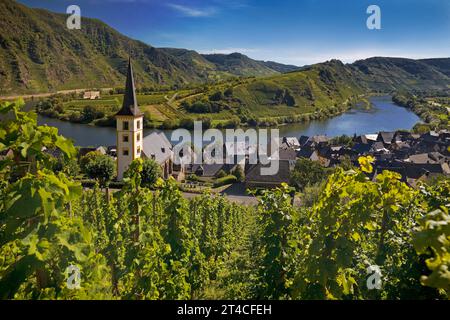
{"x":129,"y":106}
{"x":156,"y":146}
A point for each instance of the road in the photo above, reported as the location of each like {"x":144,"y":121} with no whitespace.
{"x":244,"y":200}
{"x":44,"y":95}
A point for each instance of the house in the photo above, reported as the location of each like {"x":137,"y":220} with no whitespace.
{"x":402,"y":136}
{"x":308,"y":153}
{"x":112,"y":151}
{"x":378,"y":147}
{"x":287,"y":154}
{"x":303,"y":140}
{"x":362,"y":148}
{"x":385,"y":137}
{"x":431,"y":157}
{"x":156,"y":146}
{"x":319,"y":139}
{"x":91,"y":95}
{"x":417,"y":170}
{"x":366,"y":138}
{"x":254,"y":178}
{"x":85,"y":150}
{"x":291,"y":142}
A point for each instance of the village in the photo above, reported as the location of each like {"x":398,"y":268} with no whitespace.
{"x":416,"y":157}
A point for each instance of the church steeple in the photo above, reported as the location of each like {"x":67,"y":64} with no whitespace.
{"x":129,"y":127}
{"x":129,"y":106}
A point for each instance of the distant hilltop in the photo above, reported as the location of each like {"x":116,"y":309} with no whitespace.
{"x":39,"y":55}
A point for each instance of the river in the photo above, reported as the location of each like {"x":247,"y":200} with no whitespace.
{"x":383,"y":116}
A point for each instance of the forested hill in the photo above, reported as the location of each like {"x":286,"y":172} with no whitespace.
{"x":38,"y":53}
{"x":332,"y":84}
{"x":388,"y":74}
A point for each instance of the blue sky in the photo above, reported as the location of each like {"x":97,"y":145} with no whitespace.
{"x":288,"y":31}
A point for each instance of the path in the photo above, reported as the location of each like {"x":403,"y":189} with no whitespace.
{"x":244,"y":200}
{"x":44,"y":95}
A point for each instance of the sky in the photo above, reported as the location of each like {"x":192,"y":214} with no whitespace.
{"x":295,"y":32}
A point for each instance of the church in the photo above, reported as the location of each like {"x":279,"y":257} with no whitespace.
{"x":131,"y":143}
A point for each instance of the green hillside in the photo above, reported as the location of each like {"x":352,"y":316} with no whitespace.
{"x":39,"y":54}
{"x":389,"y":74}
{"x":319,"y":91}
{"x":239,"y":64}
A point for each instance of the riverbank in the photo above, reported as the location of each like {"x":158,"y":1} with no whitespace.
{"x":96,"y":113}
{"x":434,"y":110}
{"x":384,"y":115}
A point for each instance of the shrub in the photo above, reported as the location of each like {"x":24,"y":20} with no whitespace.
{"x":225,"y":180}
{"x":187,"y":123}
{"x":193,"y":177}
{"x":169,"y":124}
{"x":239,"y":173}
{"x":221,"y":174}
{"x":217,"y":96}
{"x":228,"y":93}
{"x":307,"y":172}
{"x":151,"y":171}
{"x":100,"y":167}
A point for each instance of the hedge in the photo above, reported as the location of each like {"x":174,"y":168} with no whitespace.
{"x":225,"y":180}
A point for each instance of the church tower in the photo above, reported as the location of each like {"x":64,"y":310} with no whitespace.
{"x":129,"y":129}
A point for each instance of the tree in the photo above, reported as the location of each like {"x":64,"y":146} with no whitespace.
{"x":70,"y":167}
{"x":89,"y":114}
{"x":151,"y":171}
{"x":221,"y":174}
{"x":101,"y":168}
{"x":88,"y":157}
{"x":307,"y":173}
{"x":228,"y":92}
{"x":217,"y":96}
{"x":238,"y":172}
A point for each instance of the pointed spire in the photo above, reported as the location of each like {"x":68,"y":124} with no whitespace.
{"x":129,"y":106}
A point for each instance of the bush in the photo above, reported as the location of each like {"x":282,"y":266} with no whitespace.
{"x":151,"y":171}
{"x":89,"y":114}
{"x":228,"y":93}
{"x":239,"y":174}
{"x":187,"y":123}
{"x":217,"y":96}
{"x":99,"y":167}
{"x":307,"y":173}
{"x":230,"y":179}
{"x":170,"y":124}
{"x":193,"y":177}
{"x":221,"y":174}
{"x":75,"y":117}
{"x":116,"y":184}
